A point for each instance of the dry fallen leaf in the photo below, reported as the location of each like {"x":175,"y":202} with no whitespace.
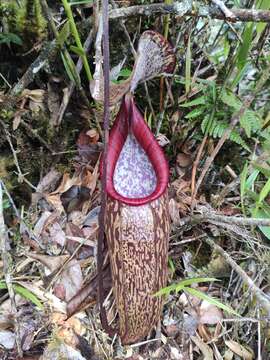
{"x":70,"y":281}
{"x":184,"y":160}
{"x":74,"y":197}
{"x":240,"y":350}
{"x":66,"y":184}
{"x":204,"y":348}
{"x":55,"y":201}
{"x":228,"y":355}
{"x":93,"y":135}
{"x":174,"y":212}
{"x":41,"y":223}
{"x":49,"y":181}
{"x":53,"y":263}
{"x":176,"y":354}
{"x":36,"y":95}
{"x":162,"y":140}
{"x":56,"y":234}
{"x":209,"y":314}
{"x":45,"y":296}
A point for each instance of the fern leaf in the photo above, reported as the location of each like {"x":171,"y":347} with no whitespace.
{"x":195,"y":113}
{"x":230,"y":99}
{"x":218,"y":129}
{"x":205,"y":123}
{"x":250,"y":122}
{"x":236,"y":137}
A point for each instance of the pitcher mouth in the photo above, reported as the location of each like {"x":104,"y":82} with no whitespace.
{"x":129,"y":119}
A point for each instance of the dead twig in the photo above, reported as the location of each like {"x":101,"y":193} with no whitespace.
{"x":207,"y":215}
{"x":254,"y":289}
{"x":21,"y":176}
{"x":186,"y":8}
{"x":241,"y":221}
{"x":194,"y":169}
{"x":48,"y":52}
{"x":227,"y":12}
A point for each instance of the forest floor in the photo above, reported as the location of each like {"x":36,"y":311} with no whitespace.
{"x":211,"y":116}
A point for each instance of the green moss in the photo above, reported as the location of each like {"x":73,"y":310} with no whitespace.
{"x":30,"y":21}
{"x":25,"y":19}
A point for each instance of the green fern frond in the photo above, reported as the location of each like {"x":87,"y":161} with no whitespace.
{"x":230,"y":99}
{"x":250,"y":122}
{"x":195,"y":112}
{"x":236,"y":137}
{"x":219,"y":127}
{"x":205,"y":123}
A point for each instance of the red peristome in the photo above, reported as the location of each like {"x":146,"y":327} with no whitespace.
{"x":130,"y":117}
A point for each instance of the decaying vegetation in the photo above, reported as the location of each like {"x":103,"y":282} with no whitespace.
{"x":211,"y":116}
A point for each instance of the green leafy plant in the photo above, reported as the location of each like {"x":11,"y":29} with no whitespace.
{"x":78,"y":49}
{"x":24,"y":293}
{"x":254,"y":190}
{"x":184,"y":285}
{"x":214,"y":110}
{"x":124,"y":74}
{"x":10,"y":38}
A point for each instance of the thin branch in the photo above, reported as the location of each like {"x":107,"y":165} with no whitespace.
{"x":207,"y":215}
{"x":253,"y":288}
{"x":21,"y":176}
{"x":241,"y":221}
{"x":227,"y":12}
{"x":23,"y":226}
{"x":49,"y":51}
{"x":106,"y":125}
{"x":35,"y":134}
{"x":186,"y":8}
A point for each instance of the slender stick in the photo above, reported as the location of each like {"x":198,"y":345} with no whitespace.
{"x":209,"y":215}
{"x":106,"y":123}
{"x":187,"y":9}
{"x":253,"y":288}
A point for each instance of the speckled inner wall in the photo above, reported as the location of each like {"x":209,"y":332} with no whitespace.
{"x":134,"y":176}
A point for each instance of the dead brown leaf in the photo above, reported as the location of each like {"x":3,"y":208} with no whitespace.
{"x":240,"y":350}
{"x":66,"y":184}
{"x":93,"y":135}
{"x":209,"y":314}
{"x":70,"y":281}
{"x":184,"y":160}
{"x":174,"y":212}
{"x":53,"y":263}
{"x":204,"y":348}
